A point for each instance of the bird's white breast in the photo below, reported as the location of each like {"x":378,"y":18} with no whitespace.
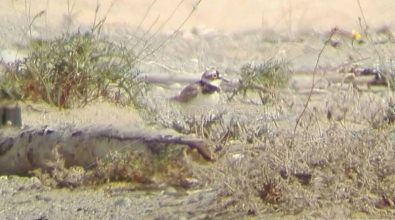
{"x":216,"y":83}
{"x":202,"y":103}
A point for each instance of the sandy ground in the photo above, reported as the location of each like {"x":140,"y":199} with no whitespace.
{"x":213,"y":45}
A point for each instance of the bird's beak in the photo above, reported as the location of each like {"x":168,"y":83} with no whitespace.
{"x":223,"y":79}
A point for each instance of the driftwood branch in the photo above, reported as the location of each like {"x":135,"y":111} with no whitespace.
{"x":363,"y":77}
{"x":163,"y":78}
{"x":169,"y":79}
{"x":152,"y":138}
{"x":33,"y":148}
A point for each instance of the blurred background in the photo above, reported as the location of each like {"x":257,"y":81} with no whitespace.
{"x":290,"y":16}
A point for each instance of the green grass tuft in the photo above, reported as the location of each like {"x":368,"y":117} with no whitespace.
{"x":269,"y":74}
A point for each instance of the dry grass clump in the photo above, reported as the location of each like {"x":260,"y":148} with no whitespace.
{"x":321,"y":171}
{"x":73,"y":70}
{"x":344,"y":164}
{"x":222,"y":126}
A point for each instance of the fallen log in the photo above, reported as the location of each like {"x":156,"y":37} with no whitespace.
{"x":169,"y":79}
{"x":162,"y":78}
{"x":29,"y":149}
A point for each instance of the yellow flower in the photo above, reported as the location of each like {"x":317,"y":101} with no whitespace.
{"x":356,"y":35}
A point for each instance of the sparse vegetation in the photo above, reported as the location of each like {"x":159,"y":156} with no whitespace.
{"x":74,"y":70}
{"x":263,"y":78}
{"x":271,"y":74}
{"x":307,"y":155}
{"x":168,"y":165}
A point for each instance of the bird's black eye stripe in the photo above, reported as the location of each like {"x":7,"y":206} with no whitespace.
{"x":216,"y":75}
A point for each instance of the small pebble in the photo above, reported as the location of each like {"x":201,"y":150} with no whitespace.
{"x":170,"y":191}
{"x":122,"y":202}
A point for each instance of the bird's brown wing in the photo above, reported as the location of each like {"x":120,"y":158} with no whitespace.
{"x":188,"y":93}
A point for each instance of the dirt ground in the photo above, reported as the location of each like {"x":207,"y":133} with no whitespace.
{"x":225,"y":34}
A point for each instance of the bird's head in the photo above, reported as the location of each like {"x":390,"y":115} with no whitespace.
{"x":212,"y":77}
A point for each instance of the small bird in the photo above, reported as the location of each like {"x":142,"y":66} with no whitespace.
{"x":202,"y":94}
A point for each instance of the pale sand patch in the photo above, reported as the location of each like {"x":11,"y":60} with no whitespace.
{"x":223,"y":15}
{"x":98,"y":114}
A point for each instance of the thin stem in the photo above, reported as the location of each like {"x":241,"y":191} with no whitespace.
{"x":175,"y":32}
{"x":312,"y":84}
